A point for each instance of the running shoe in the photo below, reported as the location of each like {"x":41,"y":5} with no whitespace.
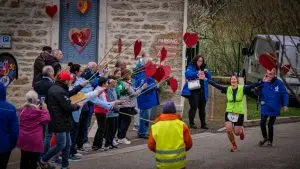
{"x":44,"y":165}
{"x":233,"y":148}
{"x":114,"y":142}
{"x":107,"y":148}
{"x":124,"y":141}
{"x":242,"y":135}
{"x":261,"y":143}
{"x":56,"y":161}
{"x":74,"y":158}
{"x":83,"y":151}
{"x":270,"y":144}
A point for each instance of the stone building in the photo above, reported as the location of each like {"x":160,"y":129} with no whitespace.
{"x":157,"y":23}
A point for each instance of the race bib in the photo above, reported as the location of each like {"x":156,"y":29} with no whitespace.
{"x":233,"y":117}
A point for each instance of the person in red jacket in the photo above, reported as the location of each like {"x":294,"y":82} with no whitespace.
{"x":101,"y":113}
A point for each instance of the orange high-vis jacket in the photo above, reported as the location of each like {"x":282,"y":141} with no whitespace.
{"x":186,"y":132}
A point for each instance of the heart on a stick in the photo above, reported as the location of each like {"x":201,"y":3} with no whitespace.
{"x":137,"y":48}
{"x":80,"y":38}
{"x":150,"y":69}
{"x":173,"y":84}
{"x":162,"y":73}
{"x":159,"y":74}
{"x":268,"y":60}
{"x":190,"y":39}
{"x":51,"y":10}
{"x":167,"y":70}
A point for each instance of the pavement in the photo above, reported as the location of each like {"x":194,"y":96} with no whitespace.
{"x":211,"y":150}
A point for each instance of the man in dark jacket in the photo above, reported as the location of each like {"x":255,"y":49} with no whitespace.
{"x":60,"y":108}
{"x":43,"y":85}
{"x":9,"y":128}
{"x":39,"y":63}
{"x":54,"y":60}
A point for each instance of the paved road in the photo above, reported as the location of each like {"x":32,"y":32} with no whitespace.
{"x":211,"y":150}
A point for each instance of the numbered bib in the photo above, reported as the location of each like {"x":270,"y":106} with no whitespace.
{"x":233,"y":117}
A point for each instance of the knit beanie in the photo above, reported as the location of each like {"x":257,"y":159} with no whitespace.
{"x":169,"y":107}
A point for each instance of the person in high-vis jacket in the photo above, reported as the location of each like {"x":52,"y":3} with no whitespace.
{"x":234,"y":116}
{"x":170,"y":139}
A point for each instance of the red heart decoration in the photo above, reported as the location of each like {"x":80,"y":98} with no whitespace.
{"x":150,"y":69}
{"x":83,"y":5}
{"x":190,"y":39}
{"x":285,"y":69}
{"x":159,"y":74}
{"x":163,"y":54}
{"x":268,"y":60}
{"x":173,"y":84}
{"x":120,"y":46}
{"x":51,"y":10}
{"x":80,"y":38}
{"x":137,"y":48}
{"x":167,"y":70}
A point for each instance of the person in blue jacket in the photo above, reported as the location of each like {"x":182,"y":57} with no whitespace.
{"x":197,"y":97}
{"x":9,"y":128}
{"x":273,"y":96}
{"x":147,"y":100}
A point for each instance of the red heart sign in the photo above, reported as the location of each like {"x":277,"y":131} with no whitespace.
{"x":190,"y":39}
{"x":80,"y":38}
{"x":119,"y":46}
{"x":285,"y":69}
{"x":51,"y":10}
{"x":137,"y":48}
{"x":163,"y":54}
{"x":167,"y":70}
{"x":150,"y":69}
{"x":268,"y":60}
{"x":173,"y":84}
{"x":159,"y":74}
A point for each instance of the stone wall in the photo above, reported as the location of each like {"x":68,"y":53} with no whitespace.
{"x":156,"y":23}
{"x":30,"y":27}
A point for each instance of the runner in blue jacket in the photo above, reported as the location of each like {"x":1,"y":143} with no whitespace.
{"x":273,"y":96}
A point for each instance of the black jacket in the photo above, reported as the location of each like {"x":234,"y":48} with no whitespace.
{"x":54,"y":62}
{"x":60,"y":108}
{"x":42,"y":87}
{"x":39,"y":63}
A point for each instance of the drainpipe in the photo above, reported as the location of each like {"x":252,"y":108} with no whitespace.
{"x":183,"y":52}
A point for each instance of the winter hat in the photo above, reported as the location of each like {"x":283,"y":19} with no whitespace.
{"x":64,"y":76}
{"x":169,"y":107}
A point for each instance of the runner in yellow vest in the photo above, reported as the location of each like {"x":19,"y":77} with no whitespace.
{"x":170,"y":138}
{"x":234,"y":116}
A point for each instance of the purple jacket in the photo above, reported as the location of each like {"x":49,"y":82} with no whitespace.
{"x":32,"y":120}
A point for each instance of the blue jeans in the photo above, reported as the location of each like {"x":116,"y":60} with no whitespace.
{"x":144,"y":125}
{"x":88,"y":123}
{"x":47,"y":141}
{"x":63,"y":144}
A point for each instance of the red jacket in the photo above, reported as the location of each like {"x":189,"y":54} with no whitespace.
{"x":98,"y":109}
